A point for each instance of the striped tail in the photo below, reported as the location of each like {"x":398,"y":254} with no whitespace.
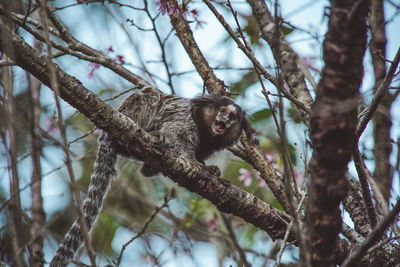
{"x":102,"y":174}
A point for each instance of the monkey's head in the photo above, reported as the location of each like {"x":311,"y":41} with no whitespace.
{"x":220,"y":116}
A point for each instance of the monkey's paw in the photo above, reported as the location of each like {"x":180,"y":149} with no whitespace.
{"x":213,"y":170}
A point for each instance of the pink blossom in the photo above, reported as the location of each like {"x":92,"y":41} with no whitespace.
{"x":94,"y":66}
{"x":298,"y":177}
{"x":164,"y":7}
{"x":245,"y":176}
{"x":51,"y":125}
{"x":109,"y":50}
{"x":184,"y":11}
{"x":120,"y":59}
{"x":261,"y":181}
{"x":272,"y":157}
{"x":173,"y":10}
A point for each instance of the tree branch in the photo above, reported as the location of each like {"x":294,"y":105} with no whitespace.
{"x":333,"y":125}
{"x":185,"y":35}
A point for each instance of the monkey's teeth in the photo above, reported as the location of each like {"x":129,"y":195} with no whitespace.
{"x":220,"y":126}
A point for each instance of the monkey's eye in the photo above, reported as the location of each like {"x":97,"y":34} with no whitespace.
{"x":223,"y":110}
{"x":232,"y":116}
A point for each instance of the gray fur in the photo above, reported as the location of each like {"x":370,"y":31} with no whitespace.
{"x":191,"y":128}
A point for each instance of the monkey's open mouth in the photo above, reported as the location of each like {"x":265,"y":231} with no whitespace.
{"x":220,"y":126}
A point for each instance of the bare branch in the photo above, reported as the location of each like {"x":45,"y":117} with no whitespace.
{"x":367,"y":113}
{"x":147,"y":223}
{"x":185,"y":35}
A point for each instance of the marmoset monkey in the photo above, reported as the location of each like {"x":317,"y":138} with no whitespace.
{"x":192,"y":128}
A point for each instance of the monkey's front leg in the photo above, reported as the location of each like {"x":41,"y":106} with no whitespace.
{"x":153,"y":168}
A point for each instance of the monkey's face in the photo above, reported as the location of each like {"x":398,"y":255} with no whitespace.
{"x":226,"y":118}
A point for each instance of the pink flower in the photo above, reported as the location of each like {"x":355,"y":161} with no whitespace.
{"x":173,"y":10}
{"x":272,"y":157}
{"x":245,"y":176}
{"x":164,"y":7}
{"x":51,"y":125}
{"x":184,"y":11}
{"x":298,"y":177}
{"x":261,"y":181}
{"x":109,"y":50}
{"x":94,"y":66}
{"x":120,"y":59}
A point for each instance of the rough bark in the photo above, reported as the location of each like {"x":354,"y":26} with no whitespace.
{"x":185,"y":35}
{"x":333,"y":125}
{"x":355,"y":206}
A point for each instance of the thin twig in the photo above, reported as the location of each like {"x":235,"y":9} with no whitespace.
{"x":232,"y":235}
{"x":380,"y":93}
{"x":147,"y":223}
{"x":288,"y":229}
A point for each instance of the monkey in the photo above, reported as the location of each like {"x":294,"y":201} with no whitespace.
{"x":192,"y":128}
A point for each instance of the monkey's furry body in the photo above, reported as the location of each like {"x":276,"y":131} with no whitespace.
{"x":192,"y":128}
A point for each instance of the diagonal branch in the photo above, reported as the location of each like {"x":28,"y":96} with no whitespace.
{"x":282,"y":51}
{"x":380,"y":93}
{"x":185,"y":35}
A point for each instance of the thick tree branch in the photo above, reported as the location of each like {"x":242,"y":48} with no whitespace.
{"x":354,"y":204}
{"x":333,"y":125}
{"x":185,"y":35}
